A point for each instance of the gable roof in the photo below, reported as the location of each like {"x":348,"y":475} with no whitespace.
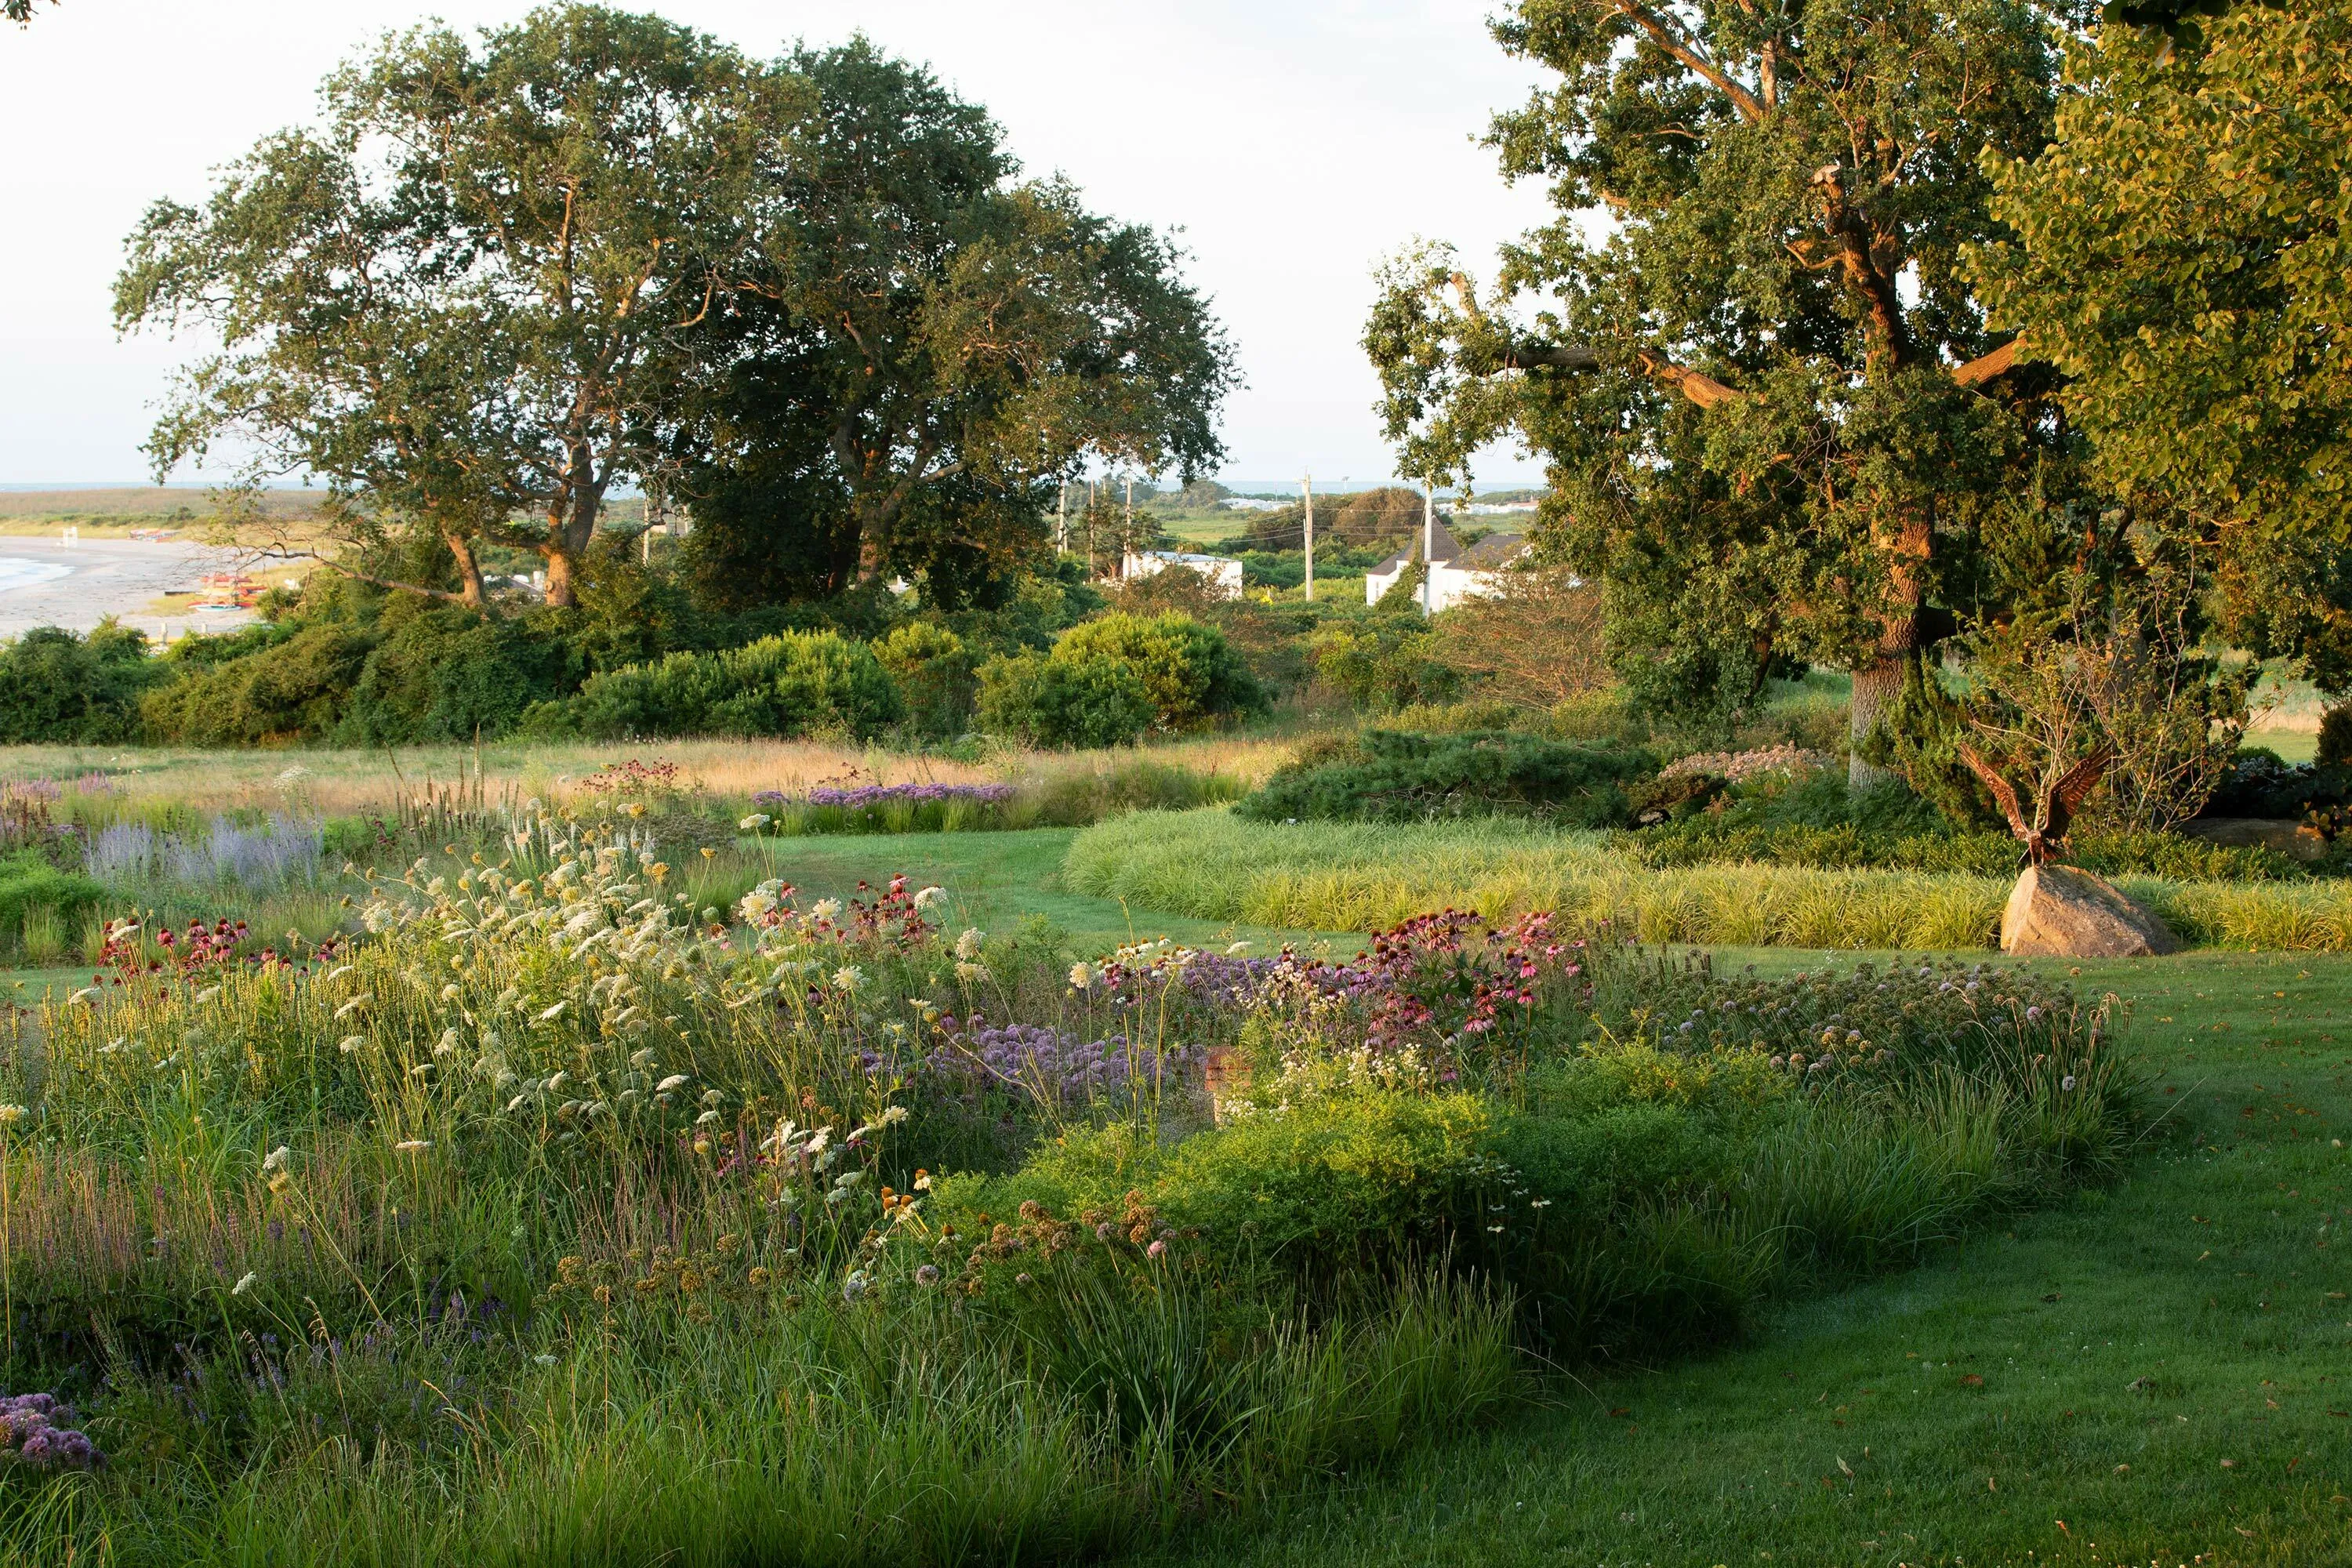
{"x":1443,"y":549}
{"x":1493,"y":551}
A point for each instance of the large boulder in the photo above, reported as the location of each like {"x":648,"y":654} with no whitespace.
{"x":2059,"y":912}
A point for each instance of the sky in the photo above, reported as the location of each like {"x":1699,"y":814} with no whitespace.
{"x":1294,"y":143}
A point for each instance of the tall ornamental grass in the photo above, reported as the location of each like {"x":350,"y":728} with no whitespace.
{"x":1343,"y":876}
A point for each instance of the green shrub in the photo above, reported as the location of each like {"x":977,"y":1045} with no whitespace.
{"x":1194,"y":674}
{"x":33,"y":894}
{"x":1385,"y":662}
{"x":1083,"y":700}
{"x":57,"y":686}
{"x":791,"y":684}
{"x":449,"y":674}
{"x":297,"y":688}
{"x":934,"y":671}
{"x":1383,"y":776}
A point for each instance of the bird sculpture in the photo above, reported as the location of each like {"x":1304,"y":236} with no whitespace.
{"x":2054,"y":807}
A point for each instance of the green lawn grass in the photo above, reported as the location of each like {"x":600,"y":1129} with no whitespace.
{"x":1844,"y":1429}
{"x":1849,"y":1428}
{"x":996,"y":881}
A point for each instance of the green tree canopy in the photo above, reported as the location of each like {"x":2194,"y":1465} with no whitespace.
{"x":929,"y":342}
{"x":471,"y":294}
{"x":1776,"y":422}
{"x":2180,"y":252}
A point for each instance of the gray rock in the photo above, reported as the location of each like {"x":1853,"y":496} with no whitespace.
{"x":2059,"y":912}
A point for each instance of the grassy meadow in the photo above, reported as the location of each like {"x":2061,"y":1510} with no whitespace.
{"x":484,"y":1219}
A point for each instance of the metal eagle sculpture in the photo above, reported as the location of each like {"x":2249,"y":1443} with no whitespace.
{"x":2053,"y":807}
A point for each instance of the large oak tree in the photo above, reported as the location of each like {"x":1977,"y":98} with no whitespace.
{"x":471,"y":295}
{"x":930,"y":341}
{"x":2181,"y":253}
{"x":1776,"y":421}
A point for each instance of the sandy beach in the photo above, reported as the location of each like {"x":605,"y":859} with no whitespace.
{"x":48,"y":583}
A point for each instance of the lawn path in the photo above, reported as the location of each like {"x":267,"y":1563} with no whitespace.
{"x":998,"y":879}
{"x":1851,"y":1428}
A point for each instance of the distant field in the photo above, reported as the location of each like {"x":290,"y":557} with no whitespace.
{"x":157,"y":506}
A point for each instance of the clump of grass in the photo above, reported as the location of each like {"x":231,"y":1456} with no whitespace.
{"x":1336,"y":877}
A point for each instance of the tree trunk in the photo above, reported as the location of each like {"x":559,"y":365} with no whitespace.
{"x":560,"y":592}
{"x":469,"y":569}
{"x":1875,"y":686}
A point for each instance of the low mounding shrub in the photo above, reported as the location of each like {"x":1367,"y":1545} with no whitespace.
{"x":1195,"y":676}
{"x":57,"y":686}
{"x":791,"y":684}
{"x":1383,"y":776}
{"x":1110,"y":679}
{"x":1080,"y":700}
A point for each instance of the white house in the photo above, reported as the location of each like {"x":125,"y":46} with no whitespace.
{"x":1223,"y":576}
{"x":1457,"y":574}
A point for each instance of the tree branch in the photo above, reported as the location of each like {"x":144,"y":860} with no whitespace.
{"x":1671,"y":42}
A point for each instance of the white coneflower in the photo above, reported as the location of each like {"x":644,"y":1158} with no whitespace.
{"x":891,"y":1117}
{"x":247,"y":1283}
{"x":825,"y":908}
{"x":848,"y":977}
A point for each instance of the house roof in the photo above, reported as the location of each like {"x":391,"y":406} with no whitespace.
{"x":1493,"y":551}
{"x":1443,"y":548}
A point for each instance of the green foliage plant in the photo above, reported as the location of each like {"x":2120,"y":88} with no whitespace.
{"x":1054,"y":700}
{"x":934,"y":672}
{"x":58,"y":685}
{"x":1194,"y":674}
{"x":791,"y":684}
{"x":1389,"y":776}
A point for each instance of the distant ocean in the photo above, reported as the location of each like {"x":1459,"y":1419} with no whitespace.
{"x":16,"y":572}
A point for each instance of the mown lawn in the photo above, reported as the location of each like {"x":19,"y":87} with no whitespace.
{"x":2160,"y":1373}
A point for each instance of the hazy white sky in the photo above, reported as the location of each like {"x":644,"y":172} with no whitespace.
{"x":1295,"y":142}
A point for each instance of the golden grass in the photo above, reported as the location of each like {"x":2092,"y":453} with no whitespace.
{"x":1360,"y":877}
{"x":341,"y":783}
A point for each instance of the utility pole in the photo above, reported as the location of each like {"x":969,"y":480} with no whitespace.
{"x":1127,"y":529}
{"x":1307,"y":489}
{"x":1061,"y":517}
{"x":1428,"y":548}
